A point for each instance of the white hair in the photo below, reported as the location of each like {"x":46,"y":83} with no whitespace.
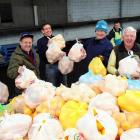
{"x":130,"y":29}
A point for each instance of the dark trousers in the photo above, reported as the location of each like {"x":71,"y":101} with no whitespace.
{"x":53,"y":75}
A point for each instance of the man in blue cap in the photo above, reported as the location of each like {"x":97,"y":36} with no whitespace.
{"x":24,"y":54}
{"x":98,"y":45}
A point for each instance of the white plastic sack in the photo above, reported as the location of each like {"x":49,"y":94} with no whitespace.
{"x":45,"y":128}
{"x":4,"y":93}
{"x":14,"y":126}
{"x":129,"y":66}
{"x":77,"y":92}
{"x":59,"y":41}
{"x":131,"y":134}
{"x":54,"y":53}
{"x":114,"y":85}
{"x":105,"y":102}
{"x":39,"y":92}
{"x":65,"y":65}
{"x":25,"y":78}
{"x":90,"y":123}
{"x":77,"y":52}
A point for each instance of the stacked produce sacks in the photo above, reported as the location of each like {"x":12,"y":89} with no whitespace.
{"x":102,"y":109}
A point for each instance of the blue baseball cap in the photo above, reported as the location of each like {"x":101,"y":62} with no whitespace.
{"x":102,"y":26}
{"x":25,"y":34}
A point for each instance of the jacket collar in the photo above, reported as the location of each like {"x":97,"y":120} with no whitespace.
{"x":122,"y":48}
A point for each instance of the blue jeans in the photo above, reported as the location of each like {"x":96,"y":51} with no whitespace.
{"x":53,"y":75}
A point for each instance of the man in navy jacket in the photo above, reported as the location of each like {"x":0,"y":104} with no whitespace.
{"x":98,"y":45}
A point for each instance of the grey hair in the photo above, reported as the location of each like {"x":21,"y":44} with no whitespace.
{"x":131,"y":29}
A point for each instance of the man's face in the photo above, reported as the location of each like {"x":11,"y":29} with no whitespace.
{"x":117,"y":26}
{"x":100,"y":34}
{"x":47,"y":30}
{"x":129,"y":38}
{"x":26,"y":44}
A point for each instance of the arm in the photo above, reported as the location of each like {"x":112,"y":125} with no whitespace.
{"x":42,"y":47}
{"x":111,"y":35}
{"x":12,"y":71}
{"x":111,"y":63}
{"x":106,"y":53}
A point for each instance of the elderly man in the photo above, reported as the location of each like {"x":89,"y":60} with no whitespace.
{"x":23,"y":55}
{"x":123,"y":50}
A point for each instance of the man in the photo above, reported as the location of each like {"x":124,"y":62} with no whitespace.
{"x":24,"y":54}
{"x":122,"y":51}
{"x":48,"y":72}
{"x":115,"y":35}
{"x":99,"y":45}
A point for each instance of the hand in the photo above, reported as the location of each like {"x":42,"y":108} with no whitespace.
{"x":101,"y":57}
{"x":136,"y":75}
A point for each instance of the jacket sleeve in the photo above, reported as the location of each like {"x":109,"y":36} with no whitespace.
{"x":111,"y":35}
{"x":12,"y":71}
{"x":41,"y":48}
{"x":111,"y":63}
{"x":106,"y":53}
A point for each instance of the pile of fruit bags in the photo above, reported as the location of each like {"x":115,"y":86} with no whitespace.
{"x":104,"y":109}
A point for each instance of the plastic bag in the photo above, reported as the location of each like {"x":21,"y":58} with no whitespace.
{"x":105,"y":102}
{"x":114,"y":85}
{"x":59,"y":41}
{"x":54,"y":107}
{"x":129,"y":66}
{"x":45,"y":127}
{"x":90,"y":78}
{"x":18,"y":104}
{"x":97,"y":125}
{"x":4,"y":93}
{"x":38,"y":92}
{"x":77,"y":52}
{"x":71,"y":112}
{"x":130,"y":101}
{"x":131,"y":134}
{"x":133,"y":84}
{"x":126,"y":120}
{"x":25,"y":78}
{"x":65,"y":65}
{"x":54,"y":53}
{"x":97,"y":67}
{"x":14,"y":126}
{"x":77,"y":92}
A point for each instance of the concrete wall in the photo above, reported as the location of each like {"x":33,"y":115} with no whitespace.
{"x":68,"y":33}
{"x":22,"y":12}
{"x":52,"y":11}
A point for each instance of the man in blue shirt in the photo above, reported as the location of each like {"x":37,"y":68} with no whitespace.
{"x":98,"y":45}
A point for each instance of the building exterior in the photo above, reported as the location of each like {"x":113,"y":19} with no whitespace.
{"x":72,"y":18}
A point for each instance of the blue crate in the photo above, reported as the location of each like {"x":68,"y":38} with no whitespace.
{"x":6,"y":51}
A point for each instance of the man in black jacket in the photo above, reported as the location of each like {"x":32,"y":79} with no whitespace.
{"x":115,"y":35}
{"x":48,"y":72}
